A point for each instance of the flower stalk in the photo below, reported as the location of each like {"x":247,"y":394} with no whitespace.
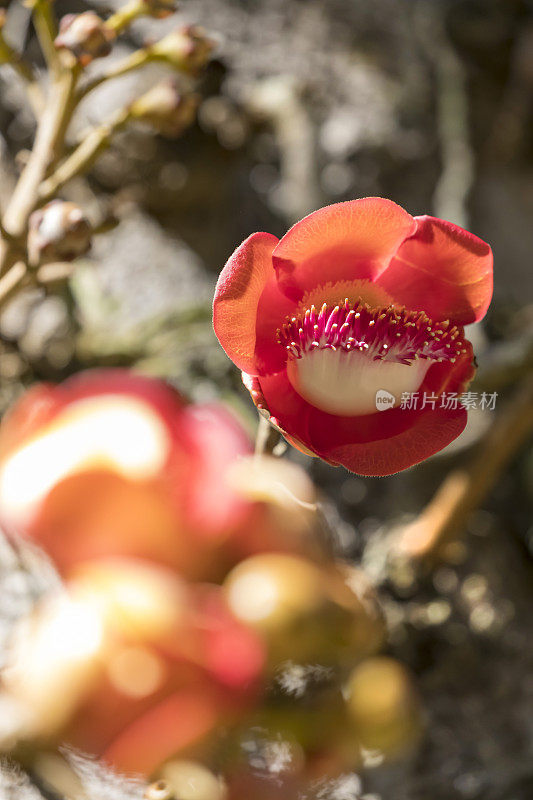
{"x":46,"y":29}
{"x":133,"y":61}
{"x":9,"y":56}
{"x":83,"y":156}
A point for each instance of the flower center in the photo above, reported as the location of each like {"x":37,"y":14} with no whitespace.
{"x":340,"y":357}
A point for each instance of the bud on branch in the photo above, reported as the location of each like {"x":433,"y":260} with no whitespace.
{"x":59,"y":231}
{"x":187,"y":49}
{"x":165,"y":108}
{"x":86,"y":35}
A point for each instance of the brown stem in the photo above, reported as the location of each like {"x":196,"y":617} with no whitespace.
{"x":266,"y":437}
{"x":46,"y":30}
{"x":48,"y":139}
{"x":135,"y":60}
{"x":49,"y":131}
{"x":464,"y":489}
{"x":24,"y":71}
{"x":83,"y":156}
{"x":125,"y":16}
{"x":5,"y":235}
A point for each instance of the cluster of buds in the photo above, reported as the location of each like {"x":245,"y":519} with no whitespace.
{"x":86,"y":36}
{"x":195,"y":580}
{"x":59,"y":231}
{"x":166,"y":108}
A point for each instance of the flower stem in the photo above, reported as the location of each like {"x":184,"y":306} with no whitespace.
{"x":9,"y":56}
{"x":49,"y":130}
{"x":49,"y":140}
{"x":125,"y":16}
{"x":266,"y":437}
{"x":46,"y":30}
{"x":83,"y":156}
{"x":137,"y":59}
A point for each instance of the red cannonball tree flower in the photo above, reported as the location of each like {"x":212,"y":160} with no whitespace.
{"x":113,"y":463}
{"x":356,"y":298}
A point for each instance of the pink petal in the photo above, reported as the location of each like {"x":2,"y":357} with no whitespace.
{"x":239,"y":289}
{"x":442,"y":270}
{"x":347,"y":241}
{"x":376,"y":444}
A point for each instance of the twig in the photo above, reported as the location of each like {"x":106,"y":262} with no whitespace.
{"x":25,"y":72}
{"x":126,"y":15}
{"x":48,"y":140}
{"x":12,"y":281}
{"x":464,"y":489}
{"x":8,"y":55}
{"x":5,"y":235}
{"x":46,"y":30}
{"x":83,"y":156}
{"x":49,"y":137}
{"x":266,"y":437}
{"x":7,"y":174}
{"x":49,"y":131}
{"x":135,"y":60}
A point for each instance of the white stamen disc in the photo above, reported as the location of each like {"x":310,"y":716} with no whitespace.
{"x":346,"y":383}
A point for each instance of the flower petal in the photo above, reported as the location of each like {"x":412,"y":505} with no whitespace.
{"x":212,"y":507}
{"x":346,"y":241}
{"x":442,"y":270}
{"x":376,"y":444}
{"x":429,"y":432}
{"x":237,"y":294}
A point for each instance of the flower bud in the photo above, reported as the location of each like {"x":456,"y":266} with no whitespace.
{"x":165,"y":108}
{"x":187,"y":49}
{"x":281,"y":597}
{"x":86,"y":36}
{"x":59,"y":231}
{"x":383,"y":705}
{"x":305,"y":611}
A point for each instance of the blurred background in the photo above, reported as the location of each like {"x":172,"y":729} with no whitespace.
{"x":309,"y":102}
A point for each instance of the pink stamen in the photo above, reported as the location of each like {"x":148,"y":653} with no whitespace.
{"x":384,"y":334}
